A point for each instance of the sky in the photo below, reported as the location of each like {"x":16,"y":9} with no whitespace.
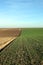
{"x":21,"y":13}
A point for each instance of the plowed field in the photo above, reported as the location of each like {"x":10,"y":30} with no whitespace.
{"x":7,"y":35}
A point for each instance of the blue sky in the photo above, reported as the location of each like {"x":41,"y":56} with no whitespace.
{"x":21,"y":13}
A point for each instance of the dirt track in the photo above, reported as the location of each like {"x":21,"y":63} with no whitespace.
{"x":7,"y":35}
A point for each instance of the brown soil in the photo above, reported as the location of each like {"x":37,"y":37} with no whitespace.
{"x":7,"y":35}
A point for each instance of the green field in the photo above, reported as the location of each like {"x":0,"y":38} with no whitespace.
{"x":27,"y":49}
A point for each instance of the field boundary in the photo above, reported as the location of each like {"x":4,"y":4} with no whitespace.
{"x":7,"y":43}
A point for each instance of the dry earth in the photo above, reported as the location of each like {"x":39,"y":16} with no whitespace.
{"x":7,"y":35}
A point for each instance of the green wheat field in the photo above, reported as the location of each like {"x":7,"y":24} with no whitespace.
{"x":27,"y":49}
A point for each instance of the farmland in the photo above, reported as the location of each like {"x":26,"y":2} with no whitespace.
{"x":7,"y":35}
{"x":27,"y":49}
